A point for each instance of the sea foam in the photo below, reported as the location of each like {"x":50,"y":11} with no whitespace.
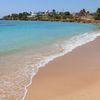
{"x":67,"y":46}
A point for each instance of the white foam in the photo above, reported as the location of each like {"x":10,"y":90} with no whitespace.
{"x":66,"y":47}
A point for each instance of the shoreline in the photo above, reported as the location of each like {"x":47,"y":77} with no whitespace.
{"x":63,"y":53}
{"x":52,"y":62}
{"x":29,"y":61}
{"x":70,"y":21}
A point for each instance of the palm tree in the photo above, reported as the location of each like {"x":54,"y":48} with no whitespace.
{"x":83,"y":12}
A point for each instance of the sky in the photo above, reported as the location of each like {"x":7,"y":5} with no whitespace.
{"x":15,"y":6}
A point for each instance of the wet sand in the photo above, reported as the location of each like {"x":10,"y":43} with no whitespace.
{"x":75,"y":76}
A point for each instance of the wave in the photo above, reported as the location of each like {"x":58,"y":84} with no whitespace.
{"x":66,"y":47}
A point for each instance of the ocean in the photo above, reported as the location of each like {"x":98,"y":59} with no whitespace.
{"x":26,"y":46}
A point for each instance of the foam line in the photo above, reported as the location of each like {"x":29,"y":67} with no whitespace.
{"x":67,"y":46}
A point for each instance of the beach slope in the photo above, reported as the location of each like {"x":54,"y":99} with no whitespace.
{"x":75,"y":76}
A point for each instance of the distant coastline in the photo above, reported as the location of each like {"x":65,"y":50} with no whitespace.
{"x":77,"y":21}
{"x":81,"y":17}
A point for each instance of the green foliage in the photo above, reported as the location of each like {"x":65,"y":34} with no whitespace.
{"x":7,"y":17}
{"x":38,"y":17}
{"x":23,"y":16}
{"x":97,"y":15}
{"x":54,"y":11}
{"x":14,"y":16}
{"x":20,"y":16}
{"x":55,"y":15}
{"x":83,"y":12}
{"x":67,"y":15}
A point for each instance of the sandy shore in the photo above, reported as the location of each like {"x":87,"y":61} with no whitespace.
{"x":75,"y":76}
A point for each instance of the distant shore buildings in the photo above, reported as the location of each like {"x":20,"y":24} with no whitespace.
{"x":82,"y":16}
{"x":32,"y":14}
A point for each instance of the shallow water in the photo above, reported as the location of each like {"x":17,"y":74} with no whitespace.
{"x":26,"y":46}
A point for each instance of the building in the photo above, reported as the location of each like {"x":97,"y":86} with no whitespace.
{"x":33,"y":14}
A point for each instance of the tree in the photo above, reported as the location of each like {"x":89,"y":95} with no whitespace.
{"x":54,"y":14}
{"x":53,"y":11}
{"x":23,"y":16}
{"x":20,"y":16}
{"x":97,"y":15}
{"x":88,"y":12}
{"x":83,"y":12}
{"x":67,"y":13}
{"x":7,"y":17}
{"x":15,"y":16}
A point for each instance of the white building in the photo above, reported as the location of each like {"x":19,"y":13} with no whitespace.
{"x":33,"y":14}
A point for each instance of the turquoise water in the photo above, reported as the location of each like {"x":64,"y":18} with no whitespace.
{"x":19,"y":34}
{"x":25,"y":46}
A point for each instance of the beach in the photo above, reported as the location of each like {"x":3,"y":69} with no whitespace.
{"x":74,"y":76}
{"x":58,"y":56}
{"x":50,"y":50}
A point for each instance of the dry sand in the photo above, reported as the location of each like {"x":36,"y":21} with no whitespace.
{"x":75,"y":76}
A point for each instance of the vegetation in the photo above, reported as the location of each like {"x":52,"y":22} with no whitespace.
{"x":82,"y":16}
{"x":97,"y":15}
{"x":20,"y":16}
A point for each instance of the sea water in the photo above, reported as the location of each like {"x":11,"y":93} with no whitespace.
{"x":25,"y":46}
